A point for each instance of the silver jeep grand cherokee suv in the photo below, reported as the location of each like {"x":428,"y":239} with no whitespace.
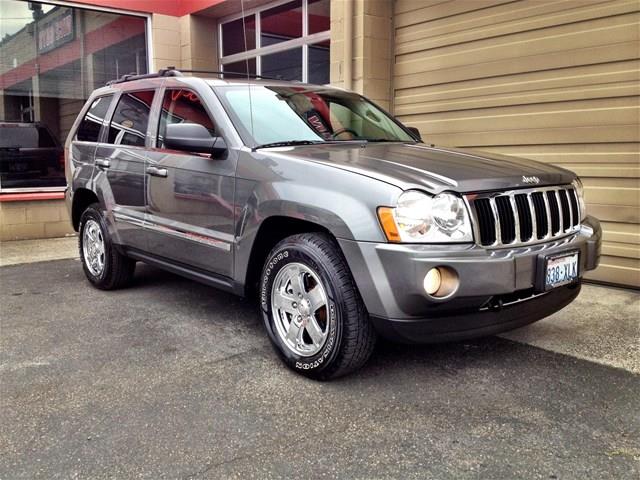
{"x":333,"y":214}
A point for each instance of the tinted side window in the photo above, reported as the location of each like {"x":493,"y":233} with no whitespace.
{"x":130,"y":118}
{"x":182,"y":106}
{"x":89,"y":129}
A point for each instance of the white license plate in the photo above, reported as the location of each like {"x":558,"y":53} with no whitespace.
{"x":561,"y":270}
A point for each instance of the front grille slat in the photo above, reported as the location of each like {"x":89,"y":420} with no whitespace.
{"x":523,"y":217}
{"x":506,"y":217}
{"x":555,"y":212}
{"x":486,"y":221}
{"x":564,"y":208}
{"x":542,"y":230}
{"x":524,"y":213}
{"x":573,"y":201}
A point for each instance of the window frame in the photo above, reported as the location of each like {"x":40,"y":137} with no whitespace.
{"x":104,"y":137}
{"x":155,"y":134}
{"x":304,"y":41}
{"x":85,"y":110}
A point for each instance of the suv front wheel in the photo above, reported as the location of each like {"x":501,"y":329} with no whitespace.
{"x":104,"y":266}
{"x":312,"y":310}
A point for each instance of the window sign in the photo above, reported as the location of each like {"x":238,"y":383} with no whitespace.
{"x":56,"y":32}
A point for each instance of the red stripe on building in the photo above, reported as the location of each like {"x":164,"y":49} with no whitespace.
{"x":176,"y":8}
{"x":112,"y":33}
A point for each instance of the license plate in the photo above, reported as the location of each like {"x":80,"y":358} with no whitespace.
{"x":561,"y":270}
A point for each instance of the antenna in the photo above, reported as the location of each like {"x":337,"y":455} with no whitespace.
{"x":244,"y":35}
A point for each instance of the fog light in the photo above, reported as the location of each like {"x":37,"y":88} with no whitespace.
{"x":432,"y":281}
{"x":441,"y":282}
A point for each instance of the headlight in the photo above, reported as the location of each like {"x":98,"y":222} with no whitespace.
{"x":421,"y":218}
{"x":577,"y":185}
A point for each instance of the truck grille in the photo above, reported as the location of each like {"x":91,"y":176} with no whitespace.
{"x":523,"y":217}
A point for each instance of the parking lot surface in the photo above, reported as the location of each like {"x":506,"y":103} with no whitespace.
{"x":173,"y":379}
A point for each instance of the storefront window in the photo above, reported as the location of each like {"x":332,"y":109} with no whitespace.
{"x":287,"y":64}
{"x":232,"y":35}
{"x":281,"y":23}
{"x":51,"y":58}
{"x":292,"y":43}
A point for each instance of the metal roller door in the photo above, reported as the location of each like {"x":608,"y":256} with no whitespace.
{"x":556,"y":81}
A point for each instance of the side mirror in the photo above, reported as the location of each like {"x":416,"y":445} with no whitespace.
{"x":415,"y":132}
{"x":193,"y":137}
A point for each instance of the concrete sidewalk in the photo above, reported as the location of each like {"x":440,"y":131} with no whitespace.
{"x":29,"y":251}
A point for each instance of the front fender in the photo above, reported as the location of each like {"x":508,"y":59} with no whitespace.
{"x":341,"y":202}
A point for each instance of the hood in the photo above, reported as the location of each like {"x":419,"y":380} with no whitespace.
{"x":435,"y":169}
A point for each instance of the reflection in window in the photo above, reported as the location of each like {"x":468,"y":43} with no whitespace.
{"x":89,"y":128}
{"x":319,"y":63}
{"x":282,"y":29}
{"x":182,"y":106}
{"x":130,"y":119}
{"x":233,"y":40}
{"x":281,"y":23}
{"x":309,"y":114}
{"x":53,"y":57}
{"x":319,"y":16}
{"x":285,"y":65}
{"x":239,"y":69}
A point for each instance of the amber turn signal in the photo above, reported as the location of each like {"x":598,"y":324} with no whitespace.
{"x":388,"y":223}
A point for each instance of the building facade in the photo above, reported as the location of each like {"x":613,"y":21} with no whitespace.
{"x":556,"y":81}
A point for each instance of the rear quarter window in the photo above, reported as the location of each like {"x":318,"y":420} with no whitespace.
{"x":89,"y":128}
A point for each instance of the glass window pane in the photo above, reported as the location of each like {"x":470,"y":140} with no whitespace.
{"x":319,"y":63}
{"x":285,"y":65}
{"x":29,"y":153}
{"x":239,"y":69}
{"x":52,"y":58}
{"x":233,"y":40}
{"x":319,"y":16}
{"x":131,"y":118}
{"x":89,"y":128}
{"x":281,"y":23}
{"x":182,"y":106}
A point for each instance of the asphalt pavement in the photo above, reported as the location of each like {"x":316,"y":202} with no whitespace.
{"x":173,"y":379}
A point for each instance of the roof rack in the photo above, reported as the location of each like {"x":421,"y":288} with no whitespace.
{"x":174,"y":72}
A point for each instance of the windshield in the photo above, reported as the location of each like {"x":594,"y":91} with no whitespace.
{"x":299,"y":114}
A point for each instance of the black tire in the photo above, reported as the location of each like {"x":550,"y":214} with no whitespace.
{"x":350,"y":336}
{"x":118,"y":269}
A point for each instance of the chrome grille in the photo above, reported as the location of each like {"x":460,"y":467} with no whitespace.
{"x":524,"y":217}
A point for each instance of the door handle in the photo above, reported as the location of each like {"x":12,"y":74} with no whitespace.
{"x":157,"y":172}
{"x":101,"y":162}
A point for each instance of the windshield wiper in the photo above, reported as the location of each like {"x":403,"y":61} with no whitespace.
{"x":289,"y":143}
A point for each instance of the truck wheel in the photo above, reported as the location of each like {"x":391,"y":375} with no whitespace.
{"x":312,"y":310}
{"x":104,"y":266}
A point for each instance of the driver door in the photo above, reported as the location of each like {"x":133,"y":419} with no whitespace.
{"x":189,"y":196}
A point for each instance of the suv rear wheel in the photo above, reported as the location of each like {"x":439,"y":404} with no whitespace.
{"x":104,"y":266}
{"x":312,"y":310}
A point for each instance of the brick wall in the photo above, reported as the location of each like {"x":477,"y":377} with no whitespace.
{"x":34,"y":219}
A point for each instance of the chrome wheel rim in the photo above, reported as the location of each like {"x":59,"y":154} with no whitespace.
{"x":299,"y":309}
{"x":93,"y":247}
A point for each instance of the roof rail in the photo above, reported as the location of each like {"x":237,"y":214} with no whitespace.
{"x":163,"y":72}
{"x":239,"y":74}
{"x":174,"y":72}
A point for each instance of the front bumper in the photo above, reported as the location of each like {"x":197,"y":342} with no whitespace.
{"x":497,"y":289}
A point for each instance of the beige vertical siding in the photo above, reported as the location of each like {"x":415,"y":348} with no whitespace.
{"x":556,"y":81}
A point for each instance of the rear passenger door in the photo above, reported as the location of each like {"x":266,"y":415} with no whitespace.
{"x":190,"y":195}
{"x":120,"y":161}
